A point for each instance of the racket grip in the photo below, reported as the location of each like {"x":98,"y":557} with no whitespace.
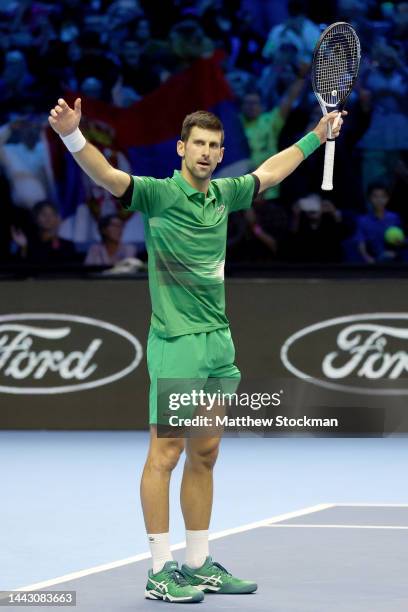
{"x":327,"y":184}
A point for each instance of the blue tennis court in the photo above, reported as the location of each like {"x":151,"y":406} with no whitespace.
{"x":314,"y":528}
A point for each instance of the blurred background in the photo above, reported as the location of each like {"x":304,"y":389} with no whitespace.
{"x":140,"y":66}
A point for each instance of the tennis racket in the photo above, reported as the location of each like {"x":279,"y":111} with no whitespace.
{"x":335,"y":65}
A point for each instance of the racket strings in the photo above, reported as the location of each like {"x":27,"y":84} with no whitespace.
{"x":336,"y":64}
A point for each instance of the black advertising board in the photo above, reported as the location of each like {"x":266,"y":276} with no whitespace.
{"x":98,"y":378}
{"x":72,"y":352}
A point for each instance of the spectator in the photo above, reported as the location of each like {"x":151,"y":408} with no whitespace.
{"x":261,"y":245}
{"x":24,"y":158}
{"x":92,"y":88}
{"x":17,"y":84}
{"x":355,"y":12}
{"x":117,"y":51}
{"x":163,"y":14}
{"x":94,"y":60}
{"x":123,"y":11}
{"x":265,"y":14}
{"x":137,"y":75}
{"x":398,"y":201}
{"x":240,"y":82}
{"x":371,"y":227}
{"x":246,"y":42}
{"x":262,"y":128}
{"x":187,"y":43}
{"x":142,"y":31}
{"x":230,"y":28}
{"x":111,"y":250}
{"x":267,"y":220}
{"x":8,"y":215}
{"x":122,"y":95}
{"x":400,"y":22}
{"x":279,"y":75}
{"x":46,"y":247}
{"x":316,"y":231}
{"x":387,"y":80}
{"x":297,"y":30}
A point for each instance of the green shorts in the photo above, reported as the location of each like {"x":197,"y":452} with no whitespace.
{"x":191,"y":357}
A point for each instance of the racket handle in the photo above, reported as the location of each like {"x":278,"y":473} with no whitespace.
{"x":327,"y":184}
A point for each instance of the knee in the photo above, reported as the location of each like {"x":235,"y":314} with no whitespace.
{"x":203,"y":458}
{"x":165,"y":459}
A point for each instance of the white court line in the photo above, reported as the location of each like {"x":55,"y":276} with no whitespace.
{"x":309,"y":525}
{"x":214,"y":536}
{"x":373,"y":505}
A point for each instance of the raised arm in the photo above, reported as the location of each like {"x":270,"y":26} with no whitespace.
{"x":294,"y":90}
{"x":65,"y":121}
{"x":279,"y":166}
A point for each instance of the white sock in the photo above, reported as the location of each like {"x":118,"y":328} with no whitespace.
{"x":197,"y":547}
{"x":160,"y":549}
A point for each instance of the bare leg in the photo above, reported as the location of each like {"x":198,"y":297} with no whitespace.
{"x":197,"y":485}
{"x":162,"y":458}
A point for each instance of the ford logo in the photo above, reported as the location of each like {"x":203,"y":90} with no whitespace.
{"x":363,"y":353}
{"x":59,"y":353}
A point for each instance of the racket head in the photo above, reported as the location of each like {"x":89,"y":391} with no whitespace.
{"x":335,"y":65}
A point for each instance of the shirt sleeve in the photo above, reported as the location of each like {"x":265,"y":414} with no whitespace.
{"x":238,"y":193}
{"x":140,"y":195}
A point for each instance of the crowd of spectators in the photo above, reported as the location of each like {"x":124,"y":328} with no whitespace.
{"x":117,"y":51}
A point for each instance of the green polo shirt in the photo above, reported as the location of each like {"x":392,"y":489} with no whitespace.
{"x":186,"y":234}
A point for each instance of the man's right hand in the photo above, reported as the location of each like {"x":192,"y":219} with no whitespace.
{"x":63,"y":119}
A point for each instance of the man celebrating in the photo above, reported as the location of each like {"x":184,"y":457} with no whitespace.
{"x":186,"y":227}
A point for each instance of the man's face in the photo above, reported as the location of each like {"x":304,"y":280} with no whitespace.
{"x":47,"y":219}
{"x":202,"y":152}
{"x":251,"y":106}
{"x":187,"y":41}
{"x":131,"y":53}
{"x":379,"y":199}
{"x":114,"y":230}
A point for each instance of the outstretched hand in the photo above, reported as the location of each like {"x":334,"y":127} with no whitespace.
{"x":63,"y":119}
{"x":335,"y":120}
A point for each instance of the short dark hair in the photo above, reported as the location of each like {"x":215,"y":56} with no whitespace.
{"x":202,"y":119}
{"x":377,"y":185}
{"x":39,"y":206}
{"x":105,"y":221}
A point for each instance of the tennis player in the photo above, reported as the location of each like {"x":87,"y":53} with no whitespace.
{"x":186,"y":227}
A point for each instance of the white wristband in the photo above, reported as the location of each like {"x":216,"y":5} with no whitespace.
{"x":74,"y":141}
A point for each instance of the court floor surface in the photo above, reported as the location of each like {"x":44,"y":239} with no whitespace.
{"x":324,"y":558}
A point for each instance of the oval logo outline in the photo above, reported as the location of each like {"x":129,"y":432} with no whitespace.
{"x":329,"y":323}
{"x":115,"y":329}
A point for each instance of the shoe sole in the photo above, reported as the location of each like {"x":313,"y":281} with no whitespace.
{"x":166,"y":597}
{"x":211,"y":589}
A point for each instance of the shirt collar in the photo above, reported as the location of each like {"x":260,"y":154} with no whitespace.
{"x":188,"y":189}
